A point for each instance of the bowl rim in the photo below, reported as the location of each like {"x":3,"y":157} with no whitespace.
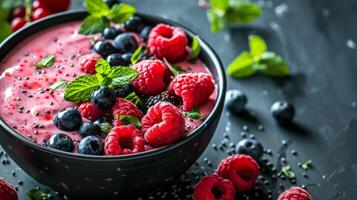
{"x":204,"y":46}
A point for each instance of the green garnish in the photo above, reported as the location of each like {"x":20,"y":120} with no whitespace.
{"x":35,"y":194}
{"x":288,"y":172}
{"x":59,"y":85}
{"x":193,"y":114}
{"x":48,"y":61}
{"x":258,"y":59}
{"x":133,"y":97}
{"x":138,"y":54}
{"x":128,"y":119}
{"x":307,"y":165}
{"x":175,"y":69}
{"x":195,"y":49}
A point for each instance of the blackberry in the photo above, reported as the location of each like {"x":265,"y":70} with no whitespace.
{"x":163,"y":97}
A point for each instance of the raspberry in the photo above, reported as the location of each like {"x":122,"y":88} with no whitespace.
{"x":213,"y":187}
{"x":125,"y":107}
{"x":241,"y":170}
{"x":295,"y":193}
{"x":167,"y":42}
{"x":193,"y":88}
{"x":90,"y":111}
{"x":152,"y":78}
{"x":88,"y":62}
{"x":124,"y":140}
{"x":163,"y":97}
{"x":163,"y":124}
{"x":7,"y":192}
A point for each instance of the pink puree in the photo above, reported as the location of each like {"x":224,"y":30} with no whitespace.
{"x":27,"y":103}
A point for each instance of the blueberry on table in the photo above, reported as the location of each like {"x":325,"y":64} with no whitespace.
{"x":283,"y":112}
{"x":236,"y":101}
{"x":111,"y":3}
{"x":144,"y":34}
{"x":123,"y":91}
{"x":68,"y":120}
{"x":250,"y":147}
{"x":103,"y":98}
{"x":125,"y":42}
{"x":116,"y":59}
{"x":91,"y":145}
{"x":134,"y":24}
{"x":110,"y":33}
{"x":61,"y":142}
{"x":103,"y":48}
{"x":88,"y":129}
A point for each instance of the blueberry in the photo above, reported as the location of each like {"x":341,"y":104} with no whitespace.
{"x":144,"y":34}
{"x":250,"y":147}
{"x":134,"y":24}
{"x":116,"y":59}
{"x":61,"y":142}
{"x":104,"y":125}
{"x":127,"y":57}
{"x":123,"y":91}
{"x":104,"y":48}
{"x":283,"y":112}
{"x":111,"y":3}
{"x":91,"y":145}
{"x":110,"y":33}
{"x":125,"y":42}
{"x":103,"y":98}
{"x":88,"y":129}
{"x":236,"y":101}
{"x":68,"y":120}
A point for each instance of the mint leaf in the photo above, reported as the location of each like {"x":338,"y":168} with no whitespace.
{"x":193,"y":114}
{"x":122,"y":76}
{"x":219,"y":6}
{"x":195,"y":48}
{"x":5,"y":29}
{"x":102,"y":67}
{"x":35,"y":194}
{"x":97,"y":8}
{"x":59,"y":85}
{"x":121,"y":12}
{"x":46,"y":62}
{"x":105,"y":128}
{"x":217,"y":22}
{"x":257,"y":46}
{"x":133,"y":97}
{"x":274,"y":65}
{"x":307,"y":165}
{"x":242,"y":66}
{"x":138,"y":54}
{"x":175,"y":69}
{"x":81,"y":88}
{"x":92,"y":25}
{"x":128,"y":119}
{"x":288,"y":172}
{"x":242,"y":12}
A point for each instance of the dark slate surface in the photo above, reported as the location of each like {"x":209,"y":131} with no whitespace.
{"x":316,"y":39}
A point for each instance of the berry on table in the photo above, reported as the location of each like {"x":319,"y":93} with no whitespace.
{"x":61,"y":142}
{"x":295,"y":193}
{"x":110,"y":32}
{"x":236,"y":101}
{"x":116,"y":59}
{"x":17,"y":23}
{"x":125,"y":42}
{"x":283,"y":112}
{"x":163,"y":97}
{"x":250,"y":147}
{"x":7,"y":191}
{"x":103,"y":98}
{"x":134,"y":24}
{"x":88,"y":62}
{"x":103,"y":48}
{"x":68,"y":120}
{"x":213,"y":187}
{"x":39,"y":14}
{"x":91,"y":145}
{"x":144,"y":33}
{"x":89,"y":128}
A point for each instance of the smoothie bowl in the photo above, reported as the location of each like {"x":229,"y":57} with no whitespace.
{"x":108,"y":115}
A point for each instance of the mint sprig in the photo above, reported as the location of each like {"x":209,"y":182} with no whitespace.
{"x":59,"y":85}
{"x":81,"y":88}
{"x":175,"y":69}
{"x":101,"y":16}
{"x":133,"y":97}
{"x":128,"y":119}
{"x":258,"y":59}
{"x":195,"y":49}
{"x":193,"y":114}
{"x":138,"y":54}
{"x":35,"y":194}
{"x":48,"y":61}
{"x":307,"y":165}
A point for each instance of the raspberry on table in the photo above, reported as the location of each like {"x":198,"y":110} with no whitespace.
{"x":152,"y":78}
{"x":163,"y":97}
{"x":295,"y":193}
{"x":242,"y":170}
{"x":7,"y":192}
{"x":213,"y":187}
{"x":124,"y":140}
{"x":88,"y":62}
{"x":168,"y":42}
{"x":125,"y":107}
{"x":90,"y":111}
{"x":163,"y":124}
{"x":193,"y":88}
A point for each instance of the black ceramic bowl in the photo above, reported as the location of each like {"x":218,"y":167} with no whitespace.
{"x":99,"y":177}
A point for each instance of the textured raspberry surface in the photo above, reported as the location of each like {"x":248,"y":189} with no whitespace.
{"x":213,"y":187}
{"x":125,"y":107}
{"x":193,"y":88}
{"x":124,"y":140}
{"x":167,"y":42}
{"x":152,"y":78}
{"x":163,"y":124}
{"x":241,"y":170}
{"x":87,"y":63}
{"x":295,"y":193}
{"x":7,"y":192}
{"x":90,"y":111}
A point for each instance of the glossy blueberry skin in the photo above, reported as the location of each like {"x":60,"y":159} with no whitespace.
{"x":111,"y":3}
{"x":134,"y":24}
{"x":283,"y":112}
{"x":68,"y":120}
{"x":127,"y":57}
{"x":91,"y":145}
{"x":88,"y":129}
{"x":116,"y":59}
{"x":103,"y":48}
{"x":125,"y":43}
{"x":103,"y":98}
{"x":250,"y":147}
{"x":236,"y":101}
{"x":123,"y":91}
{"x":144,"y":34}
{"x":110,"y":33}
{"x":61,"y":142}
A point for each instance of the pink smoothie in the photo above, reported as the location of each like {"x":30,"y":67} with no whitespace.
{"x":27,"y":103}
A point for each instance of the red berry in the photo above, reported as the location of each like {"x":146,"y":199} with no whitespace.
{"x":152,"y":78}
{"x":213,"y":187}
{"x":90,"y":111}
{"x":295,"y":193}
{"x":163,"y":124}
{"x":17,"y":23}
{"x":38,"y":4}
{"x":193,"y":88}
{"x":55,"y":6}
{"x":241,"y":170}
{"x":124,"y":107}
{"x":88,"y":62}
{"x":124,"y":140}
{"x":7,"y":192}
{"x":18,"y":12}
{"x":39,"y":14}
{"x":167,"y":42}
